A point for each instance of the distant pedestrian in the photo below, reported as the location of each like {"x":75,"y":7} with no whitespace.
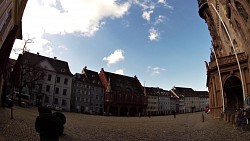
{"x":173,"y":112}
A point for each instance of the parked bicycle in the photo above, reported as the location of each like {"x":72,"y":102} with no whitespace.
{"x":241,"y":120}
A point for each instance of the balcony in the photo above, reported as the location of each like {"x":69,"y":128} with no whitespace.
{"x":202,"y":6}
{"x":228,"y":60}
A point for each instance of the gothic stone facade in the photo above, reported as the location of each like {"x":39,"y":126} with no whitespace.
{"x":228,"y":80}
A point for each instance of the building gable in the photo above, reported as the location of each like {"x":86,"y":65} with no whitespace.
{"x":121,"y":83}
{"x":46,"y":65}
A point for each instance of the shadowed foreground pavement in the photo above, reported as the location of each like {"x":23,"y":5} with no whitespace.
{"x":185,"y":127}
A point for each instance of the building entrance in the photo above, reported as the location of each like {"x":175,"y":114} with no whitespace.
{"x":234,"y":94}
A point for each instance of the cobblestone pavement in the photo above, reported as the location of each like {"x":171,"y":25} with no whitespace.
{"x":185,"y":127}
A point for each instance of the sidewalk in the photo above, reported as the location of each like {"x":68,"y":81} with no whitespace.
{"x":18,"y":128}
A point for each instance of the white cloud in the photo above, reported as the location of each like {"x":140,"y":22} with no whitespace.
{"x":48,"y":50}
{"x":81,"y":17}
{"x":153,"y":34}
{"x":167,"y":5}
{"x":148,"y":12}
{"x":146,"y":15}
{"x":160,"y":19}
{"x":120,"y":71}
{"x":115,"y":57}
{"x":155,"y":70}
{"x":62,"y":47}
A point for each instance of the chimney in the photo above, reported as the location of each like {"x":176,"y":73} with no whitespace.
{"x":37,"y":53}
{"x":55,"y":58}
{"x":85,"y":67}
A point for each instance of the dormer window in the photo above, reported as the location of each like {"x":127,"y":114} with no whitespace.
{"x":62,"y":70}
{"x":93,"y":75}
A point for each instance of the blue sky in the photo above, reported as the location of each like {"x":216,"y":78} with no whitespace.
{"x":163,"y":42}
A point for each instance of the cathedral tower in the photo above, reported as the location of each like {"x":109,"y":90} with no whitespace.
{"x":228,"y":78}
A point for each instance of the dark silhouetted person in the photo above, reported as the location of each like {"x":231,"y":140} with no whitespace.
{"x":173,"y":112}
{"x":49,"y":126}
{"x":62,"y":117}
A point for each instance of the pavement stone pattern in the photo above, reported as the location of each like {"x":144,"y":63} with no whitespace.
{"x":81,"y":127}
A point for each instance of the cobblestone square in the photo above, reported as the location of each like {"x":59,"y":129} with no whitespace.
{"x":185,"y":127}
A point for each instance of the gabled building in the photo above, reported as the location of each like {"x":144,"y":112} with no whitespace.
{"x":174,"y":103}
{"x":191,"y":99}
{"x":11,"y":12}
{"x":153,"y":100}
{"x":164,"y":102}
{"x":204,"y":99}
{"x":53,"y":86}
{"x":123,"y":95}
{"x":87,"y":93}
{"x":179,"y":98}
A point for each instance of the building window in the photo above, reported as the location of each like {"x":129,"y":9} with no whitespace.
{"x":77,"y":98}
{"x":46,"y":99}
{"x":58,"y":79}
{"x":40,"y":87}
{"x":64,"y":102}
{"x":241,"y":10}
{"x":65,"y":81}
{"x":47,"y":88}
{"x":57,"y":90}
{"x":49,"y":77}
{"x":96,"y":97}
{"x":56,"y":100}
{"x":64,"y":91}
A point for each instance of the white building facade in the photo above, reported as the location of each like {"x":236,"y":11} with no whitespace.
{"x":164,"y":103}
{"x":55,"y":88}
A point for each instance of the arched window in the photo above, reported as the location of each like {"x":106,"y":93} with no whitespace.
{"x":241,"y":10}
{"x":228,"y":11}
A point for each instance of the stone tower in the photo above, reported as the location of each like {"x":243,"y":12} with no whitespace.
{"x":228,"y":78}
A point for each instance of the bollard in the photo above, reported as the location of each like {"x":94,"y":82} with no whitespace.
{"x":202,"y":118}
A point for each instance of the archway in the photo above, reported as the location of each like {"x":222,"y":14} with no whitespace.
{"x":234,"y":94}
